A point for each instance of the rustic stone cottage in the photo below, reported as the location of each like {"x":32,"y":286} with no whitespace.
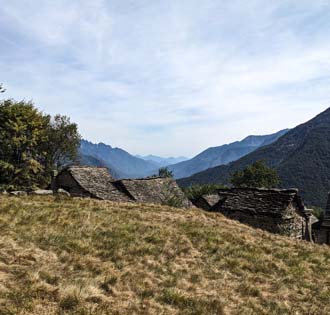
{"x":91,"y":182}
{"x":96,"y":182}
{"x":274,"y":210}
{"x":155,"y":190}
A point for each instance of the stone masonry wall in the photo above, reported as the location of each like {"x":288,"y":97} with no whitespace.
{"x":65,"y":181}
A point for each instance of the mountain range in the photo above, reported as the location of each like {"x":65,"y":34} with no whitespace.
{"x":301,"y":158}
{"x":221,"y":155}
{"x":121,"y":163}
{"x":125,"y":165}
{"x":162,"y":161}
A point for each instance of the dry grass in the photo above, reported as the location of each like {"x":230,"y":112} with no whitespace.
{"x":90,"y":257}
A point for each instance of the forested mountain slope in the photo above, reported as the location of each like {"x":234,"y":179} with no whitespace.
{"x":301,"y":158}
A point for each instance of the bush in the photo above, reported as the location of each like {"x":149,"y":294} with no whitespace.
{"x":196,"y":191}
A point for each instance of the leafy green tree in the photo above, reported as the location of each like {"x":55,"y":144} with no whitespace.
{"x":256,"y":175}
{"x":165,"y":172}
{"x":32,"y":144}
{"x":63,"y":142}
{"x":22,"y":130}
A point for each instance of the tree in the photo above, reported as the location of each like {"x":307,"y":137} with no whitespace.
{"x":165,"y":172}
{"x":63,"y":142}
{"x":22,"y":131}
{"x":2,"y":89}
{"x":32,"y":144}
{"x":256,"y":175}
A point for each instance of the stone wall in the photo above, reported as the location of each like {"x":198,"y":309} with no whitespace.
{"x":323,"y":234}
{"x":293,"y":227}
{"x":65,"y":180}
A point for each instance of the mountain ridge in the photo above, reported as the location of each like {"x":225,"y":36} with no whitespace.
{"x":124,"y":164}
{"x":301,"y":157}
{"x":223,"y":154}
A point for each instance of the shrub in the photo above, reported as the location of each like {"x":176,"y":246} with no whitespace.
{"x":196,"y":191}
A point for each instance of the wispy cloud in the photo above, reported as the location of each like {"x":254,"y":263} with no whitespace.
{"x":169,"y":77}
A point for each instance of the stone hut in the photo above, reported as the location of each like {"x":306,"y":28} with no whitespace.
{"x":87,"y":181}
{"x":156,"y":190}
{"x":96,"y":182}
{"x":274,"y":210}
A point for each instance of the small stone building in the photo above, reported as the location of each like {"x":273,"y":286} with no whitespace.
{"x":274,"y":210}
{"x":156,"y":190}
{"x":88,"y":181}
{"x":96,"y":182}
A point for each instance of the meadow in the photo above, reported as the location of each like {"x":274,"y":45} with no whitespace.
{"x":83,"y":256}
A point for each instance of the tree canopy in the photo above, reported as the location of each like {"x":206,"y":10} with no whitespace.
{"x":256,"y":175}
{"x":32,"y":144}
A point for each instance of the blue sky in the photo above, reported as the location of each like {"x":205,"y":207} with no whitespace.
{"x":169,"y":77}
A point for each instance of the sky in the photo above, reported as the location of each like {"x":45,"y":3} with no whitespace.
{"x":169,"y":77}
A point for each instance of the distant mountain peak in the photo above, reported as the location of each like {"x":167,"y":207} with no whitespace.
{"x":162,"y":161}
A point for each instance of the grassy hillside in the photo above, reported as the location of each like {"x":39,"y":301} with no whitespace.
{"x":92,"y":257}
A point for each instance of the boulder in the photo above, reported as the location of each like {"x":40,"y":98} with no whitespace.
{"x":62,"y":192}
{"x":41,"y":192}
{"x":18,"y":193}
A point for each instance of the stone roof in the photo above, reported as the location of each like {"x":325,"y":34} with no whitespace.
{"x":267,"y":202}
{"x":97,"y":181}
{"x":99,"y":184}
{"x":157,"y":190}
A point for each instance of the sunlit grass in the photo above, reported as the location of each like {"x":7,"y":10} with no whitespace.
{"x":84,"y":256}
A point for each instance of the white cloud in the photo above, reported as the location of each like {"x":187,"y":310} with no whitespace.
{"x":169,"y":77}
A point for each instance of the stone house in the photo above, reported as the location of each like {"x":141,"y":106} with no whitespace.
{"x":274,"y":210}
{"x":156,"y":190}
{"x":88,"y":181}
{"x":96,"y":182}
